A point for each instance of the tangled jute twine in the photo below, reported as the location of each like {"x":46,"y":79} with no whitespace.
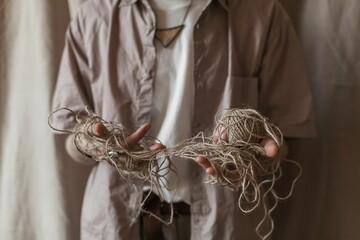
{"x":233,"y":149}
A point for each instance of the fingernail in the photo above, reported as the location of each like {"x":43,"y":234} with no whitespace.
{"x":145,"y":127}
{"x":153,"y":147}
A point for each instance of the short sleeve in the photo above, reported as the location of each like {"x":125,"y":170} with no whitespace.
{"x":72,"y":89}
{"x":285,"y":94}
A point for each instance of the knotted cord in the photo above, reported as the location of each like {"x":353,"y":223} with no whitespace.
{"x":234,"y":150}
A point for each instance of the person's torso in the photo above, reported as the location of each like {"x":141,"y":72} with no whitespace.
{"x":123,"y":66}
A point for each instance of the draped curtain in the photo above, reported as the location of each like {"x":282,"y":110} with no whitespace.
{"x":41,"y":188}
{"x":325,"y":205}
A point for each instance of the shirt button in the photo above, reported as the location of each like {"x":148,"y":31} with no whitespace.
{"x":148,"y":76}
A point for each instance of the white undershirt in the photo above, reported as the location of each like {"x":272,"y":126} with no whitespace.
{"x":173,"y":96}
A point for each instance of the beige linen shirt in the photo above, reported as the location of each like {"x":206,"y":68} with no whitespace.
{"x":245,"y":54}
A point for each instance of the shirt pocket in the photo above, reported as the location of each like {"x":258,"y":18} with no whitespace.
{"x":242,"y":91}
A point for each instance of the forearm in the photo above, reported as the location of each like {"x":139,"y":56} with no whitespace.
{"x":75,"y":154}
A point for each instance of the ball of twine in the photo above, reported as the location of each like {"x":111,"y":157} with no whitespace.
{"x":234,"y":150}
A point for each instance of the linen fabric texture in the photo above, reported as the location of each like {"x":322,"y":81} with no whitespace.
{"x":245,"y":54}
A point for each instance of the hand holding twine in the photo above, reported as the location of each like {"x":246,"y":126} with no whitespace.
{"x":234,"y":150}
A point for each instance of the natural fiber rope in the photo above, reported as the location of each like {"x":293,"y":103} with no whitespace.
{"x":234,"y":150}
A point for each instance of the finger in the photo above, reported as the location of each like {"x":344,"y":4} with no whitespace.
{"x":134,"y":138}
{"x":205,"y":163}
{"x":220,"y":135}
{"x":270,"y":147}
{"x":224,"y":135}
{"x":157,"y":146}
{"x":99,"y":129}
{"x":210,"y":170}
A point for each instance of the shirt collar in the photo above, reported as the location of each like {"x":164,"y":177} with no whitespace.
{"x":122,"y":3}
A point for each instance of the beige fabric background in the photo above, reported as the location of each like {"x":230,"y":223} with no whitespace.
{"x":41,"y":189}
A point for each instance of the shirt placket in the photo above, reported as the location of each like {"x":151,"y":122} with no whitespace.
{"x":146,"y":71}
{"x":199,"y":204}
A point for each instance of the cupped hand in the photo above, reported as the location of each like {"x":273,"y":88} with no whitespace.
{"x":270,"y":147}
{"x":100,"y":130}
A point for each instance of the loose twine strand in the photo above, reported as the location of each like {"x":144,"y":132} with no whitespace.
{"x":233,"y":149}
